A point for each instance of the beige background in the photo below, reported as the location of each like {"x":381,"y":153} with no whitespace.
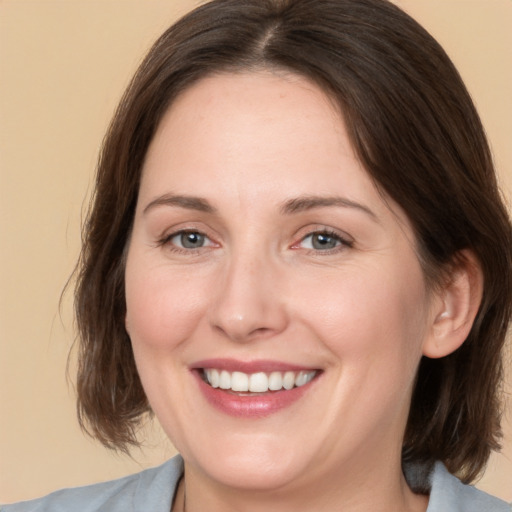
{"x":63,"y":66}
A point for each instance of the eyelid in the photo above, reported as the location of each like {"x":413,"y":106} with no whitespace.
{"x":170,"y":233}
{"x":345,"y":240}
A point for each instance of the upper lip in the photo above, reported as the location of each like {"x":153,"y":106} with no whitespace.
{"x":259,"y":365}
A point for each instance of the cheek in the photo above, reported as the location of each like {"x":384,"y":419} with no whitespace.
{"x":161,"y":311}
{"x":380,"y":313}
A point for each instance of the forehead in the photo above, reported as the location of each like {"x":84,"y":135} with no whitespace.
{"x":258,"y":136}
{"x":261,"y":122}
{"x":218,"y":103}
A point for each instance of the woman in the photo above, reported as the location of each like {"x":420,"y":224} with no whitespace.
{"x":297,"y":258}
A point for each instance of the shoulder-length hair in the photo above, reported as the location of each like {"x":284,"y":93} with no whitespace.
{"x":416,"y":131}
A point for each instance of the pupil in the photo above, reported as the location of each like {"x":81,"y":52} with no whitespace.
{"x":322,"y":241}
{"x":192,"y":240}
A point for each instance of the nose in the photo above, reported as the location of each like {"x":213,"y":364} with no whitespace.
{"x":250,"y":303}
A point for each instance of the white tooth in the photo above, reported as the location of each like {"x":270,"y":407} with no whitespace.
{"x":224,"y":380}
{"x":289,"y":380}
{"x":304,"y":377}
{"x":239,"y":381}
{"x":309,"y":376}
{"x":275,"y":381}
{"x":300,"y":380}
{"x":258,"y":382}
{"x":213,"y":378}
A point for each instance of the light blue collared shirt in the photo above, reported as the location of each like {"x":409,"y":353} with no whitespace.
{"x":153,"y":490}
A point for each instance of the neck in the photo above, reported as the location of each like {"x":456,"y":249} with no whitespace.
{"x":377,"y":491}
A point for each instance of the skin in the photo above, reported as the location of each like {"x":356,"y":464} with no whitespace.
{"x":246,"y":144}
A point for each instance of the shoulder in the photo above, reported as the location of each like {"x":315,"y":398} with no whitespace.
{"x":152,"y":489}
{"x":449,"y":494}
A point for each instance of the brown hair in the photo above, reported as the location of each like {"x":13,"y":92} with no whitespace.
{"x":416,"y":131}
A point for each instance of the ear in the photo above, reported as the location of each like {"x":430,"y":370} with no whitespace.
{"x":455,"y":306}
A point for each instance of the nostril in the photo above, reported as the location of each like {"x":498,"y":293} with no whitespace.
{"x":241,"y":334}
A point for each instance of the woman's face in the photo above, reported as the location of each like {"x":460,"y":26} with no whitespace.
{"x":262,"y":256}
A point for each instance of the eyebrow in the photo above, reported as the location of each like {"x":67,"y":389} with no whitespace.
{"x":305,"y":203}
{"x":296,"y":205}
{"x":181,"y":201}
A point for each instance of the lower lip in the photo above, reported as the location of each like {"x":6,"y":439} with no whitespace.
{"x":253,"y":405}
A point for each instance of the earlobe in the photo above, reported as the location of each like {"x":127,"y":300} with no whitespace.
{"x":456,"y":307}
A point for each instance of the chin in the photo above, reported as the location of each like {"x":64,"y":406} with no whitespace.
{"x":258,"y":469}
{"x":253,"y":476}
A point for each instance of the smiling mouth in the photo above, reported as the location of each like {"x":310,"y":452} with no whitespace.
{"x":260,"y":382}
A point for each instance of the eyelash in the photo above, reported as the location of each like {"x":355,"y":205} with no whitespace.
{"x":342,"y":243}
{"x":166,"y":241}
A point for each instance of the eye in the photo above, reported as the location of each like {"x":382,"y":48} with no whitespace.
{"x":188,"y":240}
{"x":323,"y":241}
